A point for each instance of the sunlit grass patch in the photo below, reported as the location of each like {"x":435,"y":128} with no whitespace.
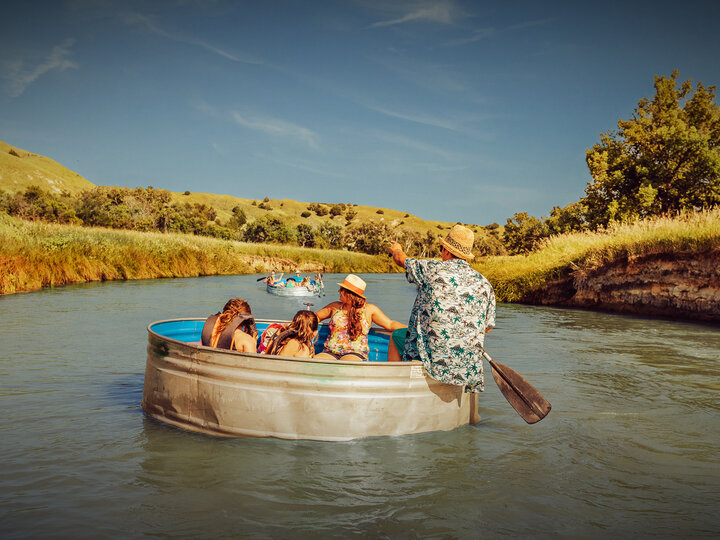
{"x":512,"y":277}
{"x":35,"y":254}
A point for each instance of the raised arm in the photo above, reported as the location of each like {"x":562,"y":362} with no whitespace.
{"x":397,"y":253}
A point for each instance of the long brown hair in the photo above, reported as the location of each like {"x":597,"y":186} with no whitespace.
{"x":352,"y":304}
{"x":236,"y":307}
{"x":305,"y":323}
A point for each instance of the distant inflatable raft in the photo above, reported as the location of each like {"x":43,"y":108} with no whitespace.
{"x":228,"y":393}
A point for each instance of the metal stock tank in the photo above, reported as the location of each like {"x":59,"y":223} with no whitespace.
{"x":229,"y":393}
{"x":280,"y":289}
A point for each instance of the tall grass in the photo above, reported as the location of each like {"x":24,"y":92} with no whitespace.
{"x":35,"y":255}
{"x":512,"y":277}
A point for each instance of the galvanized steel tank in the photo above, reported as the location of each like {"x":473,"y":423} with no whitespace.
{"x":228,"y":393}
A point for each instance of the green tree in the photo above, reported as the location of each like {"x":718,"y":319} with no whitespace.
{"x":330,"y":235}
{"x":269,"y":230}
{"x":567,"y":219}
{"x":523,"y":233}
{"x":238,"y":218}
{"x":663,"y":159}
{"x":305,"y":235}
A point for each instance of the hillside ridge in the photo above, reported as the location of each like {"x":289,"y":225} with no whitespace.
{"x":20,"y":169}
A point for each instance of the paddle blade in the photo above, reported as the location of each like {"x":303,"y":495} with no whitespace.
{"x":523,"y":396}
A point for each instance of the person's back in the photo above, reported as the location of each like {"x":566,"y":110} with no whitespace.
{"x":340,"y":340}
{"x":297,"y":339}
{"x":454,"y":308}
{"x":350,"y":322}
{"x":452,"y":305}
{"x":233,"y":328}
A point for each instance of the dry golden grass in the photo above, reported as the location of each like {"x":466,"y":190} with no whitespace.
{"x":35,"y":255}
{"x":513,"y":276}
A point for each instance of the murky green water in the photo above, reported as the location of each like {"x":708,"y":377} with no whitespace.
{"x":629,"y":450}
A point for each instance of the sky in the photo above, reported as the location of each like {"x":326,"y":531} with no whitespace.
{"x":451,"y":110}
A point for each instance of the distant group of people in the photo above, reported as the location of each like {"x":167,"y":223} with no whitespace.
{"x":454,"y":308}
{"x":296,"y":281}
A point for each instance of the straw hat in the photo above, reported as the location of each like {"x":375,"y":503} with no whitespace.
{"x":459,"y":242}
{"x":354,"y":284}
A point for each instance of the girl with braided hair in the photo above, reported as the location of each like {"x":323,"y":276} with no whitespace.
{"x":350,"y":322}
{"x":233,"y":328}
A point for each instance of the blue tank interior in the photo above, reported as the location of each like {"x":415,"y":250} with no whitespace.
{"x":189,"y":331}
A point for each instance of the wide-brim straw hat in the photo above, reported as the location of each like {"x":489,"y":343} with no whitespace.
{"x":459,"y":242}
{"x":354,"y":284}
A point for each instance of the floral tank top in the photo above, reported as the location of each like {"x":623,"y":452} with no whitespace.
{"x":339,"y":340}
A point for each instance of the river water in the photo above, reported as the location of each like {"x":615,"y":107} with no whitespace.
{"x":630,"y":448}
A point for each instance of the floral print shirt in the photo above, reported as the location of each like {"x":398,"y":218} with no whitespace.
{"x":454,"y":306}
{"x":339,"y":342}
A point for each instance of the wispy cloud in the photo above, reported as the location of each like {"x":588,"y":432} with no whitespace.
{"x":485,"y":33}
{"x":416,"y":146}
{"x":477,"y":35}
{"x":277,"y":127}
{"x":274,"y":127}
{"x":145,"y":22}
{"x":419,"y":119}
{"x":19,"y":76}
{"x":434,"y":11}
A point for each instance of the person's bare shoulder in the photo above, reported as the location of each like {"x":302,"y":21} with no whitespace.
{"x":244,"y":342}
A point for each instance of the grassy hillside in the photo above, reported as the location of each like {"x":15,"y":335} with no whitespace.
{"x":20,"y":169}
{"x":290,"y":211}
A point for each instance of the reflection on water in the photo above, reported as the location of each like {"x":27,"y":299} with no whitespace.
{"x":630,"y":447}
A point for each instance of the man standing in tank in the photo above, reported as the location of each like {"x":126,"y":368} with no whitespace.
{"x":454,"y":308}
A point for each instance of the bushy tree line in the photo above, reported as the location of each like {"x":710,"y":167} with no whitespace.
{"x":663,"y":160}
{"x":151,"y":209}
{"x":136,"y":209}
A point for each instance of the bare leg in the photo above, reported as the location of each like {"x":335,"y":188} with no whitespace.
{"x":324,"y":356}
{"x":393,"y":353}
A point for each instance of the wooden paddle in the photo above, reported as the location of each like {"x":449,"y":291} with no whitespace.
{"x":525,"y":399}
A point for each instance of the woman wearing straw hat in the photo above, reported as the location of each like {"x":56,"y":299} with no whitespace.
{"x":454,"y":308}
{"x":350,"y":322}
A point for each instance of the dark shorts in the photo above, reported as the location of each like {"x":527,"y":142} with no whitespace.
{"x":399,"y":336}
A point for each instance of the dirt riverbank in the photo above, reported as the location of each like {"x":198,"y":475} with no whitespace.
{"x":677,"y":285}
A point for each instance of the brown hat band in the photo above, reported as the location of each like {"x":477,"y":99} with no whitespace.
{"x":352,"y":288}
{"x":456,"y":245}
